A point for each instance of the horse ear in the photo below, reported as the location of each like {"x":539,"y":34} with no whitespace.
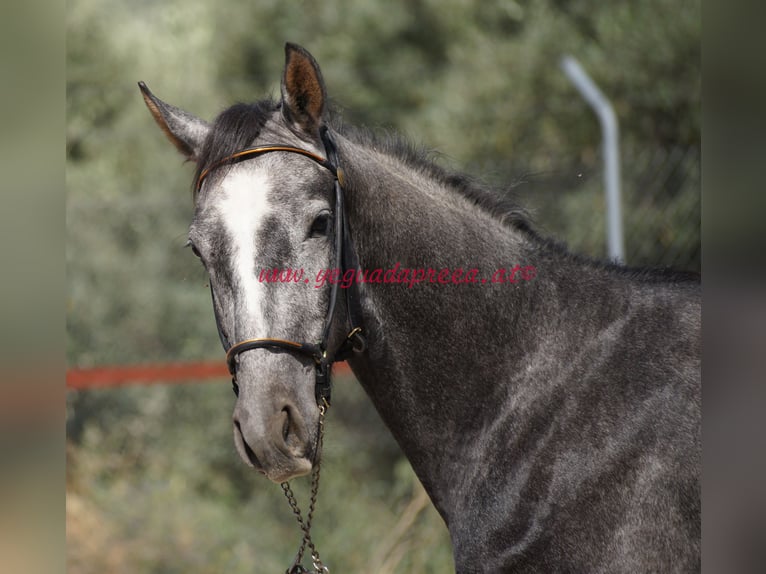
{"x":303,"y":91}
{"x":184,"y":130}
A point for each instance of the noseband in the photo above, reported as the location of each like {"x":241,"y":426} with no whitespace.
{"x":345,"y":258}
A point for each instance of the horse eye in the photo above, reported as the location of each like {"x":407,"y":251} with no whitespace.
{"x":321,"y":225}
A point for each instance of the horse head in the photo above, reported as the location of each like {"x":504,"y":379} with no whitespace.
{"x":275,"y":211}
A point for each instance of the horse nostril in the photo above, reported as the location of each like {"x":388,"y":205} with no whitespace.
{"x":248,"y":451}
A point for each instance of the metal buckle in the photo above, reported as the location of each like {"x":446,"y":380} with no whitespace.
{"x":358,"y":342}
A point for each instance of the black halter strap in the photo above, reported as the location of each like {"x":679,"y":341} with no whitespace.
{"x":345,"y":258}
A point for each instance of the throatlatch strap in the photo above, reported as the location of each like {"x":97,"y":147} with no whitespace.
{"x":355,"y":341}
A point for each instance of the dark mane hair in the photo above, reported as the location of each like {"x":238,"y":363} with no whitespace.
{"x":499,"y":203}
{"x":234,"y":129}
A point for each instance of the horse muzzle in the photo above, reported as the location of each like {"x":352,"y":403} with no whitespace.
{"x":278,"y":444}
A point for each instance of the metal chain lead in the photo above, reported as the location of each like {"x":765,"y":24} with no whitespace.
{"x":296,"y":567}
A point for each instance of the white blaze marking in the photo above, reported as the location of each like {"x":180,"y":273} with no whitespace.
{"x":243,"y":208}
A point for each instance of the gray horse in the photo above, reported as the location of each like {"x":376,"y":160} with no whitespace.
{"x":550,"y":404}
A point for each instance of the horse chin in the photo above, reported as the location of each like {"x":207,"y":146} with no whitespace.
{"x":284,"y":472}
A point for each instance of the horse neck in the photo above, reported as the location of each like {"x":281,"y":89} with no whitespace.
{"x":436,"y":351}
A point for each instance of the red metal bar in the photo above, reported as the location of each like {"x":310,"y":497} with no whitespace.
{"x":149,"y":374}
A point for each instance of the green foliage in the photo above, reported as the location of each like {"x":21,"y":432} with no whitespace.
{"x":154,"y":483}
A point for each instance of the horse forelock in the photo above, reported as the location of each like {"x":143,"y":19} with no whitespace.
{"x":233,"y":130}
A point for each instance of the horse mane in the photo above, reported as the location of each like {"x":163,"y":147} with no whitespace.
{"x":239,"y":125}
{"x":498,"y":203}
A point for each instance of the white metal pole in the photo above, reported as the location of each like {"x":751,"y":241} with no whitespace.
{"x":611,"y":150}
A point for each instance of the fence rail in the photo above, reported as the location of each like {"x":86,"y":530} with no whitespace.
{"x":151,"y":374}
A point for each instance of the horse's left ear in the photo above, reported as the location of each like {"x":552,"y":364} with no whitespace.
{"x":185,"y":131}
{"x":303,"y":91}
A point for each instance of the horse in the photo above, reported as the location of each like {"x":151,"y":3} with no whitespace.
{"x":549,"y":403}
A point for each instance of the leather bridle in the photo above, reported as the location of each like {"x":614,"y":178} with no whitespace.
{"x":345,"y":259}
